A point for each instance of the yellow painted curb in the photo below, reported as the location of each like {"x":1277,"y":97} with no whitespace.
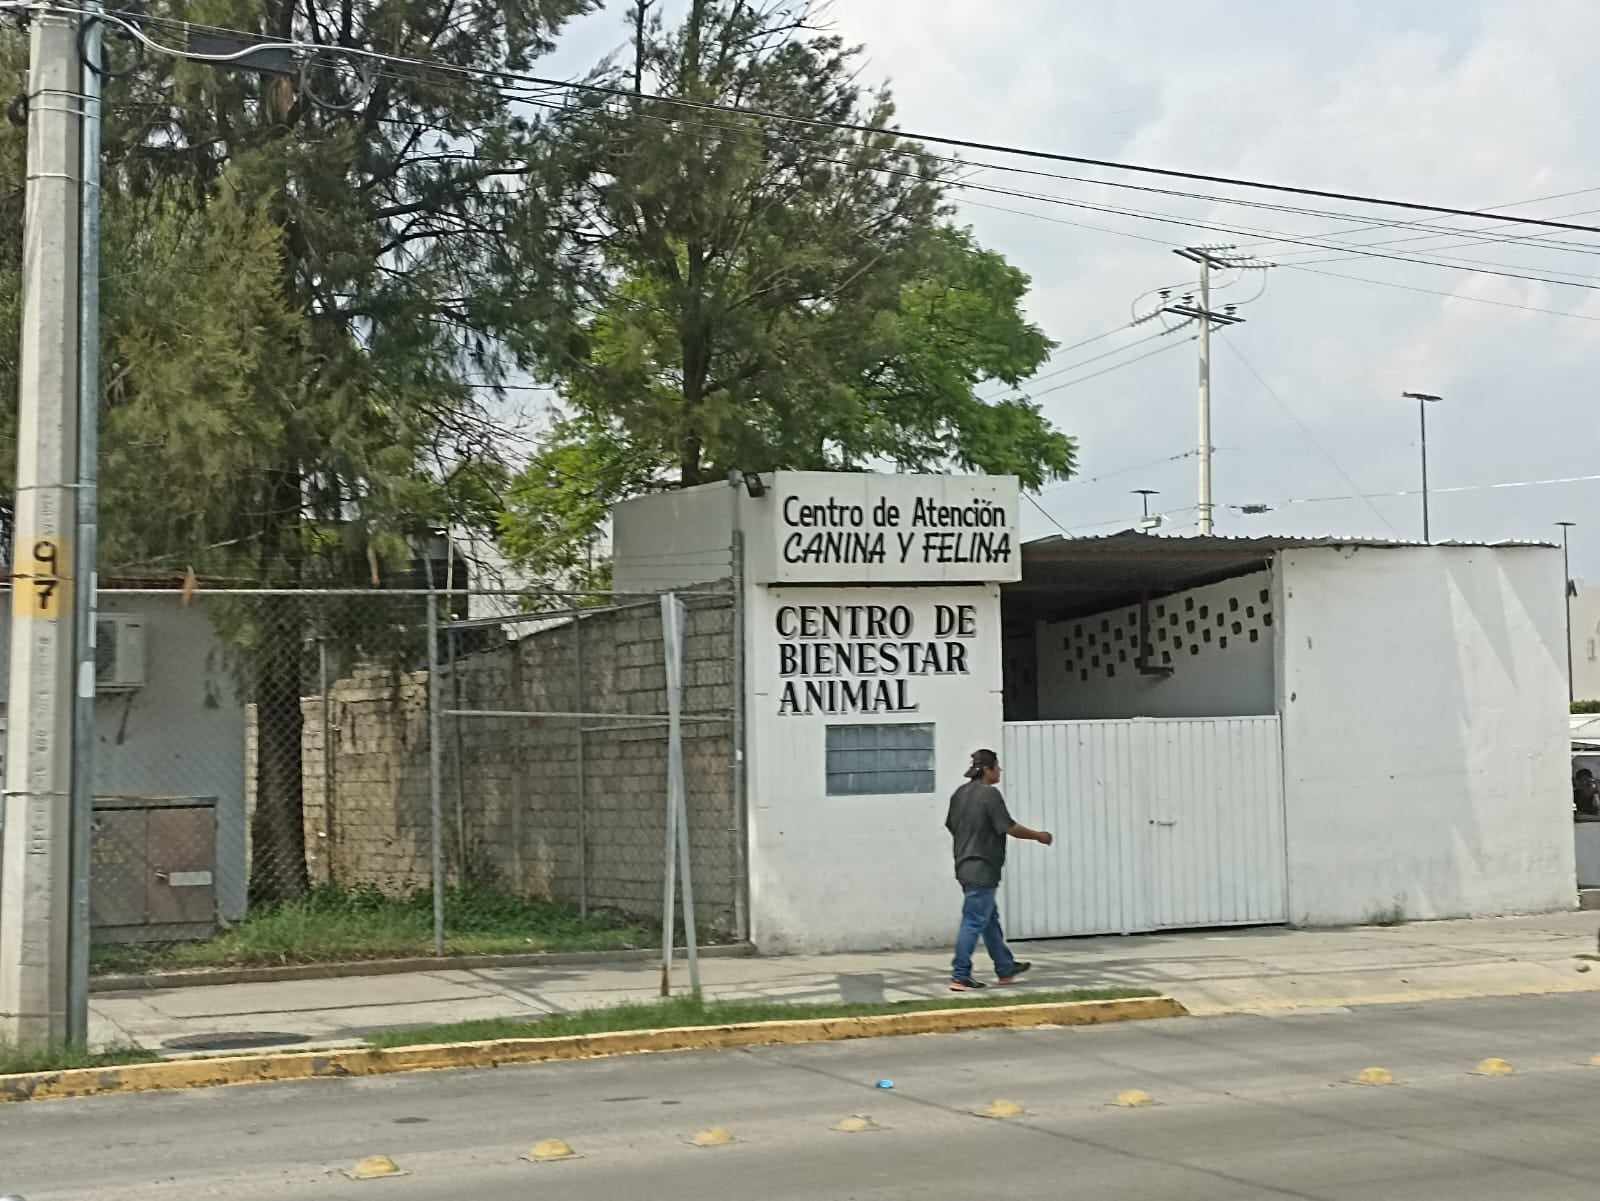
{"x":303,"y":1065}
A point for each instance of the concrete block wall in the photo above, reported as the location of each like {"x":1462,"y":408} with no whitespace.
{"x":520,"y":792}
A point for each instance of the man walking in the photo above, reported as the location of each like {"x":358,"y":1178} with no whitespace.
{"x":979,"y":824}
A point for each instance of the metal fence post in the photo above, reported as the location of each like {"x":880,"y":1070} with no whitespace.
{"x":460,"y":752}
{"x":435,"y":780}
{"x":669,"y":860}
{"x":583,"y":766}
{"x":330,"y":824}
{"x":519,"y":774}
{"x":672,"y":622}
{"x":739,"y":798}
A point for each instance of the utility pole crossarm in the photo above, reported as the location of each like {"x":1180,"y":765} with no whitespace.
{"x":1209,"y":258}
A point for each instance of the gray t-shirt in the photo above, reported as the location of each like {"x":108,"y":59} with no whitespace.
{"x":978,"y":821}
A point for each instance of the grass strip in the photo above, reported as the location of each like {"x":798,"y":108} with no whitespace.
{"x":340,"y":926}
{"x":56,"y":1059}
{"x":686,"y":1011}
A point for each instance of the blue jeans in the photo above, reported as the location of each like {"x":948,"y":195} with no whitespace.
{"x":980,"y":918}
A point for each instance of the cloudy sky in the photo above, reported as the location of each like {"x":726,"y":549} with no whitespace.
{"x":1465,"y":103}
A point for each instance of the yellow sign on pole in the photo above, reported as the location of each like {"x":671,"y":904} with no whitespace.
{"x":39,"y":589}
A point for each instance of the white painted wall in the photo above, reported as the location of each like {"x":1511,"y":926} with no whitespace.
{"x":182,"y":734}
{"x":1218,"y":640}
{"x":675,"y":539}
{"x":1586,"y":642}
{"x":860,"y":872}
{"x":1425,"y":733}
{"x":1587,"y":837}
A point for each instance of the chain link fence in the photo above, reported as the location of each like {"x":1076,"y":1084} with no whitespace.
{"x":265,"y":789}
{"x":556,"y":756}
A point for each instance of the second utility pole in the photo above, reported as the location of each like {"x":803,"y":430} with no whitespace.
{"x":1208,"y":257}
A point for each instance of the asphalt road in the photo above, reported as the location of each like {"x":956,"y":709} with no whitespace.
{"x":1245,"y":1108}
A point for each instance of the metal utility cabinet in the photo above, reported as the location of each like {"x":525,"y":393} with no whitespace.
{"x":153,"y":877}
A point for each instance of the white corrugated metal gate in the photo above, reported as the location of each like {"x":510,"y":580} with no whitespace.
{"x":1159,"y":823}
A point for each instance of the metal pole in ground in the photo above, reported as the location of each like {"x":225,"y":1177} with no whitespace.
{"x":1424,"y":399}
{"x":35,"y":893}
{"x":677,"y":787}
{"x":1567,"y":591}
{"x":741,"y":877}
{"x":583,"y":770}
{"x":669,"y":853}
{"x":330,"y":820}
{"x":435,"y":771}
{"x":451,"y":634}
{"x":455,"y":698}
{"x":92,"y":42}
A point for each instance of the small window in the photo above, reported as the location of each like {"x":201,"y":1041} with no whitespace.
{"x":880,"y":760}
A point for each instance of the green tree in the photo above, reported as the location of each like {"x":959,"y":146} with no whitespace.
{"x":309,"y":277}
{"x":760,"y":294}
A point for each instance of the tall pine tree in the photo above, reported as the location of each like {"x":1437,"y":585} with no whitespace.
{"x":761,"y":294}
{"x":309,"y":274}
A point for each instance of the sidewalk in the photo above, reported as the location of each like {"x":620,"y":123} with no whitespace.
{"x":1209,"y":972}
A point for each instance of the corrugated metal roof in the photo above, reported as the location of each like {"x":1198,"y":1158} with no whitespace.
{"x":1068,"y":577}
{"x":1272,"y":542}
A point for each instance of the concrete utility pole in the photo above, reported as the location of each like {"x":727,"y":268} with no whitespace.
{"x":1424,"y":399}
{"x":34,"y":886}
{"x":1208,"y":257}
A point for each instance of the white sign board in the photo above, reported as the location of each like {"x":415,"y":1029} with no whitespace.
{"x":842,"y":528}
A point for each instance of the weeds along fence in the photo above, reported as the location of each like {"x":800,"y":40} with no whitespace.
{"x":255,"y":746}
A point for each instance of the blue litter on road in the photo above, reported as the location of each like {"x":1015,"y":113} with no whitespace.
{"x":885,"y":1084}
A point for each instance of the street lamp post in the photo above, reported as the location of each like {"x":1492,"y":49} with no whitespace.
{"x":1144,"y":494}
{"x":1424,"y":399}
{"x":1566,"y":589}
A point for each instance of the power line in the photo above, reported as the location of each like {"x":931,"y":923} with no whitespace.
{"x":1446,"y":231}
{"x":1060,"y":350}
{"x":1305,"y":430}
{"x":494,"y":78}
{"x":1034,"y":501}
{"x":1101,"y":525}
{"x":1379,"y":283}
{"x":499,"y":78}
{"x":1083,"y":379}
{"x":1385,"y":283}
{"x":1476,"y":266}
{"x":1402,"y":492}
{"x":1125,"y":471}
{"x":1160,"y":333}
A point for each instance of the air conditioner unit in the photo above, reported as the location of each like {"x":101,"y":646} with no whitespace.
{"x":118,"y":652}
